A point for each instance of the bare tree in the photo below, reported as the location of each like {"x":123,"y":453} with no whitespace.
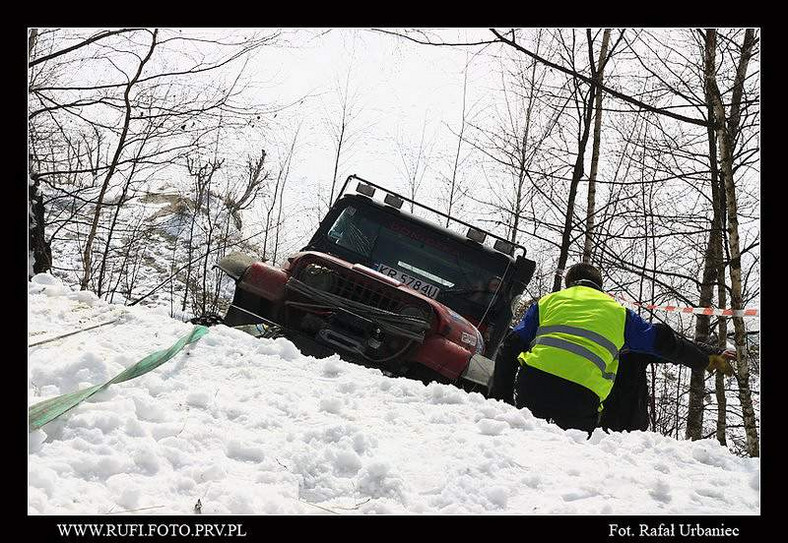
{"x":727,"y":125}
{"x":250,"y":188}
{"x":586,"y":113}
{"x":342,"y":123}
{"x":414,"y":161}
{"x":514,"y":141}
{"x":454,"y":184}
{"x":88,"y":254}
{"x":126,"y":89}
{"x":713,"y":267}
{"x":41,"y":252}
{"x":590,"y":209}
{"x":202,"y":176}
{"x":340,"y":132}
{"x":285,"y":174}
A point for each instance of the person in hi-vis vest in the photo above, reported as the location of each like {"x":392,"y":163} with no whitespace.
{"x":560,"y":361}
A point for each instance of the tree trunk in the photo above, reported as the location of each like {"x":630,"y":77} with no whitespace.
{"x":697,"y":388}
{"x":270,"y":212}
{"x":577,"y":173}
{"x":678,"y":400}
{"x":522,"y":166}
{"x":31,"y":41}
{"x":282,"y":192}
{"x":346,"y":115}
{"x":198,"y":200}
{"x":414,"y":177}
{"x":111,"y":231}
{"x":595,"y":150}
{"x":87,"y":256}
{"x":712,"y":264}
{"x":203,"y":300}
{"x":39,"y":246}
{"x":340,"y":140}
{"x":719,"y":380}
{"x":453,"y":182}
{"x":726,"y":137}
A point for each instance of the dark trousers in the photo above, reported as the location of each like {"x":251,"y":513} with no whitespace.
{"x":548,"y":397}
{"x":555,"y":399}
{"x":506,"y":366}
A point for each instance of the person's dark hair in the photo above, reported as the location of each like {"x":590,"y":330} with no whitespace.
{"x":583,"y":274}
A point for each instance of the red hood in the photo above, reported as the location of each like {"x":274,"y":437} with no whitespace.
{"x":451,"y":324}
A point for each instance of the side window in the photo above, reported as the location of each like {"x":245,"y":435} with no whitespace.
{"x":354,"y":231}
{"x":337,"y":231}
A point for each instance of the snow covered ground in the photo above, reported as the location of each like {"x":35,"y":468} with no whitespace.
{"x":249,"y":426}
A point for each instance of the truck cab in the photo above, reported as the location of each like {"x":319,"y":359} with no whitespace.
{"x":390,"y":289}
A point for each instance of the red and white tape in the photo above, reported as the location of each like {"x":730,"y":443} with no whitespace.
{"x":693,"y":310}
{"x":677,"y":309}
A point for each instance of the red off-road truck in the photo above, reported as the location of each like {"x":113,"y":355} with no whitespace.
{"x":386,"y":288}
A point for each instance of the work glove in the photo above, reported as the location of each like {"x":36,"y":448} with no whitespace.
{"x":721,"y":362}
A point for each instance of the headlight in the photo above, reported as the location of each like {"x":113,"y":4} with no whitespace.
{"x":319,"y":277}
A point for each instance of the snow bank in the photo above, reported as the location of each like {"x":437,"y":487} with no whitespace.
{"x":251,"y":426}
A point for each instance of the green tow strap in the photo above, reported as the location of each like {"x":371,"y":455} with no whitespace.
{"x":48,"y":410}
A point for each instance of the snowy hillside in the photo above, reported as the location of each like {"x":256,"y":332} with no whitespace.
{"x":251,"y":426}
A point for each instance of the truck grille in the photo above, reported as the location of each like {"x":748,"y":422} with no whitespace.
{"x":354,"y":287}
{"x":354,"y":312}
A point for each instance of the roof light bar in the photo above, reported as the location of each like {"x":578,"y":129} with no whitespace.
{"x":365,"y":189}
{"x":476,"y":235}
{"x":504,"y":247}
{"x":393,"y":201}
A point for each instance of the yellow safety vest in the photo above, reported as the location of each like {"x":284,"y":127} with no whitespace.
{"x":581,"y":331}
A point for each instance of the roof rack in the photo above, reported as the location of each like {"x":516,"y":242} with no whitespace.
{"x":367,"y":188}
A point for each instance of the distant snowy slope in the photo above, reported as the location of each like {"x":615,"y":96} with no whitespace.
{"x":251,"y":426}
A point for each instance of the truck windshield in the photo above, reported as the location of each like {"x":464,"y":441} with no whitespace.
{"x":457,"y":275}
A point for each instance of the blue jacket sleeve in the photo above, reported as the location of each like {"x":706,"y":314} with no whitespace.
{"x":661,"y":341}
{"x":526,"y":329}
{"x":639,"y":335}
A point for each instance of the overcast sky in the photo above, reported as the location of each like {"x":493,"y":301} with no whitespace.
{"x":397,"y":91}
{"x":393,"y":87}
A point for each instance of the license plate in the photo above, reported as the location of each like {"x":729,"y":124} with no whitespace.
{"x":410,"y":281}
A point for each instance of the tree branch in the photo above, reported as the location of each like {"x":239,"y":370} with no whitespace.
{"x":590,"y":81}
{"x":97,"y":37}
